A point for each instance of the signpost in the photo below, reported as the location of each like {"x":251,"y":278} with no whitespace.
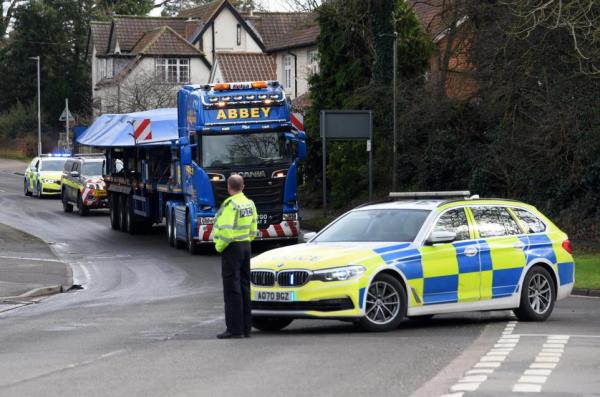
{"x":346,"y":125}
{"x":66,"y":116}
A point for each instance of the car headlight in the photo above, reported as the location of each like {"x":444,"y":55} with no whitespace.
{"x":338,"y":273}
{"x":46,"y":180}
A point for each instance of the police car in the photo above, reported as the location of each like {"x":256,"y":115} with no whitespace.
{"x":423,"y":254}
{"x":42,"y":176}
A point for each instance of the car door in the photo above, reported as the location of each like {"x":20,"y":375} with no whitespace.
{"x":74,"y":181}
{"x":29,"y":174}
{"x":64,"y":180}
{"x":33,"y":175}
{"x":500,"y":251}
{"x":451,"y":270}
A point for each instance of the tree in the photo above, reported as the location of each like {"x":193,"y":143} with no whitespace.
{"x":108,"y":8}
{"x":173,"y":8}
{"x":8,"y":10}
{"x":143,"y":93}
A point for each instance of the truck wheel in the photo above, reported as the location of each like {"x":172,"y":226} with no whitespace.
{"x":385,"y":304}
{"x":538,"y":294}
{"x":26,"y":189}
{"x":67,"y":207}
{"x":132,"y":226}
{"x":113,"y":203}
{"x":271,"y":323}
{"x":123,"y":212}
{"x":191,"y":244}
{"x":81,"y":208}
{"x":170,"y":231}
{"x":179,"y":244}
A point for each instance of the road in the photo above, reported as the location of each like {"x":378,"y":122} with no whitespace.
{"x":146,"y":319}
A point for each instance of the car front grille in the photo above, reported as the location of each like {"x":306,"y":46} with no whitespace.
{"x":292,"y":278}
{"x":263,"y":278}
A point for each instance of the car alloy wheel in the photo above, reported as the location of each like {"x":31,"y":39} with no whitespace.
{"x":385,"y":304}
{"x":540,"y":293}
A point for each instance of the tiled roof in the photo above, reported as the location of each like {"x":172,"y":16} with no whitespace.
{"x":203,"y":12}
{"x":301,"y":37}
{"x":271,"y":26}
{"x":164,"y":41}
{"x":100,"y":32}
{"x":246,"y":67}
{"x":128,"y":30}
{"x":431,"y":15}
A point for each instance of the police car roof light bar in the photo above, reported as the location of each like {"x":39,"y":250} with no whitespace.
{"x":423,"y":195}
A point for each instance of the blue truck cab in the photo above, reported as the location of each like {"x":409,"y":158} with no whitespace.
{"x":171,"y":165}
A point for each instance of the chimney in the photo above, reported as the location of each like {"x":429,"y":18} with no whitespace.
{"x":190,"y":27}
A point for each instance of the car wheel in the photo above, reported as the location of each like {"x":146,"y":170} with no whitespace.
{"x":67,"y":207}
{"x":385,"y":304}
{"x":123,"y":212}
{"x":81,"y":208}
{"x":113,"y":204}
{"x":271,"y":323}
{"x":170,"y":234}
{"x":538,"y":295}
{"x":26,"y":189}
{"x":191,"y":244}
{"x":178,"y":243}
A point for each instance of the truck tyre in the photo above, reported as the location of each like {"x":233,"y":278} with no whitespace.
{"x":192,"y":246}
{"x":82,"y":209}
{"x":123,"y":212}
{"x":26,"y":188}
{"x":271,"y":323}
{"x":385,"y":304}
{"x":132,"y":226}
{"x":67,"y":207}
{"x":113,"y":204}
{"x":170,"y":229}
{"x":538,"y":295}
{"x":179,"y":244}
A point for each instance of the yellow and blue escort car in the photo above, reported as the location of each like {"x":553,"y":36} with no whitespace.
{"x":42,"y":176}
{"x":423,"y":254}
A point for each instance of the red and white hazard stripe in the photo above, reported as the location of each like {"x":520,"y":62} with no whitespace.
{"x":142,"y":130}
{"x":297,"y":120}
{"x":285,"y":229}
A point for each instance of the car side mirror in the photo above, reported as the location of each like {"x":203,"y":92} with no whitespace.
{"x":306,"y":237}
{"x":441,"y":237}
{"x":75,"y":174}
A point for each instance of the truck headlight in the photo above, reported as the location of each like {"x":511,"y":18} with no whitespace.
{"x":293,"y":216}
{"x":338,"y":273}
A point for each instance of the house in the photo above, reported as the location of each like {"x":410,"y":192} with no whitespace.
{"x":139,"y":62}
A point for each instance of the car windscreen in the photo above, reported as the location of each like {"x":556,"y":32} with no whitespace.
{"x":93,"y":169}
{"x":244,"y":149}
{"x":52,"y":164}
{"x":375,"y":225}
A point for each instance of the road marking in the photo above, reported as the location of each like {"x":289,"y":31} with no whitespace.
{"x":24,"y":258}
{"x":546,"y":360}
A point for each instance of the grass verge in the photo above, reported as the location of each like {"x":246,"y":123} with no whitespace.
{"x":13,"y":154}
{"x":587,"y":271}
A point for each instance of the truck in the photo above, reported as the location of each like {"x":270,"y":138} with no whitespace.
{"x":170,"y":166}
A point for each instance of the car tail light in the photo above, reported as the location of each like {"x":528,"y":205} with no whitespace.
{"x":567,"y":246}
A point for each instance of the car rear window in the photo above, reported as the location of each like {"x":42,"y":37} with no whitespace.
{"x":532,"y":223}
{"x":495,"y":222}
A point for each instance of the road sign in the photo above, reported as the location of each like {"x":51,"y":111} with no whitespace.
{"x":65,"y":114}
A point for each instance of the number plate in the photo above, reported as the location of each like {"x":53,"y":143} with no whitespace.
{"x":263,"y":219}
{"x":274,"y":296}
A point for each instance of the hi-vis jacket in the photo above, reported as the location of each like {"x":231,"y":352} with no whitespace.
{"x":235,"y":221}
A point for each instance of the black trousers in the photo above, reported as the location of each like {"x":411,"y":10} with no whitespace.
{"x":235,"y":270}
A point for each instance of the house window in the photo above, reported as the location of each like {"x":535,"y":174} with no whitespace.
{"x":287,"y":71}
{"x":101,"y":69}
{"x":109,"y":68}
{"x":239,"y":34}
{"x":313,"y":62}
{"x":173,"y":70}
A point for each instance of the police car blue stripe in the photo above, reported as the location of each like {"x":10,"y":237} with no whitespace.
{"x":391,"y":248}
{"x":407,"y":261}
{"x":440,"y":289}
{"x":538,"y":246}
{"x":565,"y":272}
{"x":505,"y":281}
{"x":484,"y":255}
{"x":361,"y":296}
{"x":466,"y":264}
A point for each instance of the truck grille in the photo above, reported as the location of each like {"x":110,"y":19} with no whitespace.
{"x":264,"y":278}
{"x":266,"y":193}
{"x":293,"y":278}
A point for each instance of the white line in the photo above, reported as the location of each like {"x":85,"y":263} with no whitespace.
{"x":474,"y":378}
{"x":480,"y":371}
{"x":539,"y":359}
{"x":487,"y":365}
{"x":543,"y":365}
{"x":454,"y":394}
{"x":505,"y":345}
{"x":533,"y":379}
{"x":572,"y":336}
{"x":538,"y":372}
{"x":526,"y":388}
{"x":549,"y":354}
{"x":465,"y":386}
{"x":24,"y":258}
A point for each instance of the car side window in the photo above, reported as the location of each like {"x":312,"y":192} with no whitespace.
{"x":494,"y":222}
{"x":33,"y":163}
{"x":532,"y":223}
{"x":454,"y":221}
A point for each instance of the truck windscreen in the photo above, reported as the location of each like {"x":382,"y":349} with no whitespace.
{"x":244,"y":149}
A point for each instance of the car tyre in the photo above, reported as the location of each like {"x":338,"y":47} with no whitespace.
{"x":538,"y":295}
{"x":270,"y":324}
{"x":81,"y":208}
{"x":385,"y":304}
{"x":113,"y":204}
{"x":26,"y":189}
{"x":67,"y":207}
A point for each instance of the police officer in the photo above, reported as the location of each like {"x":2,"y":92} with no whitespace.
{"x":235,"y":227}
